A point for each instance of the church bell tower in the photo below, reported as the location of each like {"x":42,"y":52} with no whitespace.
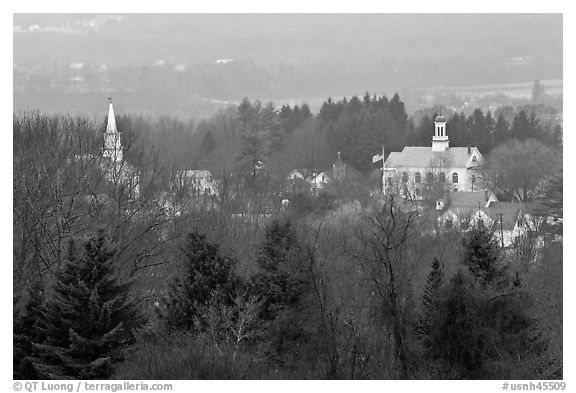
{"x":440,"y":141}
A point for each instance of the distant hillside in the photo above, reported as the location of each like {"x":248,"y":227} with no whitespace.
{"x":199,"y":58}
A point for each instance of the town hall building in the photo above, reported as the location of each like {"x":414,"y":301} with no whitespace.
{"x":451,"y":168}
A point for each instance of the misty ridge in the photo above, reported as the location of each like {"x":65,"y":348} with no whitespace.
{"x":193,"y":65}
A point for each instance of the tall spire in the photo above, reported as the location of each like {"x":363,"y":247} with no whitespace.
{"x":112,"y":143}
{"x":111,"y":126}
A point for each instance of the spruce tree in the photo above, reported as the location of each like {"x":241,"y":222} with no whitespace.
{"x":282,"y":284}
{"x":208,"y":144}
{"x":430,"y":303}
{"x":205,"y":274}
{"x":29,"y":328}
{"x":91,"y":317}
{"x":482,"y":256}
{"x":457,"y":338}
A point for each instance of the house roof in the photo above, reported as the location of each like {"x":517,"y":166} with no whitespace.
{"x":464,"y":200}
{"x":467,"y":206}
{"x":419,"y":156}
{"x":507,"y":210}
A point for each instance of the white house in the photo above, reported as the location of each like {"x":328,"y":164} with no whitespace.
{"x":198,"y":181}
{"x":508,"y":220}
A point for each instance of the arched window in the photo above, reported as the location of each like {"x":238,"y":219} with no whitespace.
{"x":473,"y":178}
{"x":454,"y":178}
{"x":389,"y":183}
{"x":404,"y":177}
{"x":441,"y":177}
{"x":417,"y":178}
{"x":429,"y":177}
{"x":474,"y":159}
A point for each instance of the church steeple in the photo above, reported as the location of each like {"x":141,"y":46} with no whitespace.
{"x":112,"y":142}
{"x":111,"y":126}
{"x":440,"y":141}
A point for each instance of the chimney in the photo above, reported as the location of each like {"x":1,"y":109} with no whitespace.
{"x":469,"y":149}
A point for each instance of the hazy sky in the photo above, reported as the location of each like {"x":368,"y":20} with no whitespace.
{"x":274,"y":38}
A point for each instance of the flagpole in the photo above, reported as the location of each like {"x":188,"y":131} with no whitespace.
{"x":383,"y":172}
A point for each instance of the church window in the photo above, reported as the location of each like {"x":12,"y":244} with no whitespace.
{"x":417,"y":178}
{"x":474,"y":160}
{"x":454,"y":177}
{"x":429,"y":177}
{"x":404,"y":177}
{"x":441,"y":177}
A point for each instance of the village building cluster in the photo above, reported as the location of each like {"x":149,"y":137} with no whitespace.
{"x":452,"y":177}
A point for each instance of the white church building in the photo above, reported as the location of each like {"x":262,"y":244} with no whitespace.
{"x":116,"y":170}
{"x":454,"y":168}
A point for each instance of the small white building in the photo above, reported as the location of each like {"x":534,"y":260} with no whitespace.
{"x":198,"y":181}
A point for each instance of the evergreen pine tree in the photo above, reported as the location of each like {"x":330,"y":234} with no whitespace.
{"x":424,"y":131}
{"x":501,"y":131}
{"x":272,"y":127}
{"x":91,"y":317}
{"x":29,"y":328}
{"x":281,"y":284}
{"x":520,"y":128}
{"x":206,"y":274}
{"x":208,"y":143}
{"x":457,"y":339}
{"x":305,"y":112}
{"x":430,"y":303}
{"x":482,"y":256}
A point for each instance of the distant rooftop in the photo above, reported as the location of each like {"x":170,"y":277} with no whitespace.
{"x":419,"y":156}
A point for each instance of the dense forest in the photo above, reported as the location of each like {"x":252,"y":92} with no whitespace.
{"x":344,"y":284}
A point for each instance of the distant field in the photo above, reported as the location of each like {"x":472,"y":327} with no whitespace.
{"x":514,"y":90}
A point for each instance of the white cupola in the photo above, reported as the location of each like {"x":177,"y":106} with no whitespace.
{"x":440,"y":141}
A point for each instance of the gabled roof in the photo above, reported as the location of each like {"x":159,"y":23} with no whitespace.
{"x":467,"y":200}
{"x":507,"y":210}
{"x":418,"y":156}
